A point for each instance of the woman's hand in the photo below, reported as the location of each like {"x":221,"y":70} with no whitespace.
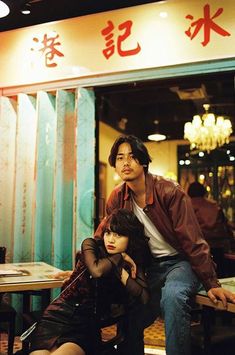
{"x":132,"y":264}
{"x":64,"y":275}
{"x":124,"y":276}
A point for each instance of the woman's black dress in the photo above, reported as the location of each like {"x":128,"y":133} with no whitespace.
{"x":73,"y":317}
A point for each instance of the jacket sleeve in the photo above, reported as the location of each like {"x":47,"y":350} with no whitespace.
{"x":190,"y":238}
{"x":138,"y":287}
{"x":99,"y":266}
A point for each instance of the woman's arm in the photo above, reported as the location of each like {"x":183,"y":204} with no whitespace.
{"x":136,"y":287}
{"x":99,"y":266}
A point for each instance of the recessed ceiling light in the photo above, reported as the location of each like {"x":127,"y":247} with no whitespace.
{"x":163,"y":14}
{"x":4,"y":9}
{"x":26,"y":9}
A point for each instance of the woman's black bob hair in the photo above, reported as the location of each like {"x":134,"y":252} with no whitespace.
{"x":124,"y":222}
{"x":138,"y":149}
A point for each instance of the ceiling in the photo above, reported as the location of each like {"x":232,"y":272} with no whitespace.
{"x":133,"y":107}
{"x":50,"y":10}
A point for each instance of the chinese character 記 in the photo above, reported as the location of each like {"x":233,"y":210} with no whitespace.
{"x":110,"y":44}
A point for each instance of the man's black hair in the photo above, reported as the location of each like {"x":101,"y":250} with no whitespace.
{"x":138,"y":149}
{"x":196,"y":189}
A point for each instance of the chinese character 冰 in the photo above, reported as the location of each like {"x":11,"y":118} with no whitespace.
{"x":208,"y":24}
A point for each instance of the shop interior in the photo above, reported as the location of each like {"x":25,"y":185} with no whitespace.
{"x":140,"y":108}
{"x":164,"y":106}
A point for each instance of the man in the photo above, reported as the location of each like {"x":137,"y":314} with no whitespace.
{"x":214,"y":225}
{"x":180,"y":255}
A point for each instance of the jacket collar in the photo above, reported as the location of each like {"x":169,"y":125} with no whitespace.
{"x":149,"y":183}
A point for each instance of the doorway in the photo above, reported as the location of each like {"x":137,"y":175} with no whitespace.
{"x":134,"y":108}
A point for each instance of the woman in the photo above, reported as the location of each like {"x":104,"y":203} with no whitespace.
{"x":109,"y":271}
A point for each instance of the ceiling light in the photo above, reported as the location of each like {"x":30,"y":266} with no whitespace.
{"x":157,"y":136}
{"x":207,"y":132}
{"x":26,"y":9}
{"x":4,"y":9}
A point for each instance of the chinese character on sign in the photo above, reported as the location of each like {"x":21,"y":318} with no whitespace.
{"x":107,"y":32}
{"x":48,"y":48}
{"x":207,"y":23}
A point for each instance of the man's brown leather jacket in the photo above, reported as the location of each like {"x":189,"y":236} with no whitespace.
{"x":170,"y":210}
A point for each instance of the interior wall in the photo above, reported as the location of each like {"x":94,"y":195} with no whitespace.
{"x":164,"y":157}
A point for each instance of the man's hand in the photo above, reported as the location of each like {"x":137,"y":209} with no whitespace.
{"x":64,"y":275}
{"x":219,"y":293}
{"x":132,"y":264}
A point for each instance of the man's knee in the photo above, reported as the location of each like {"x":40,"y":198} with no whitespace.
{"x":175,"y":298}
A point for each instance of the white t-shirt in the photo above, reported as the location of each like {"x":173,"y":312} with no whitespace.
{"x":159,"y":247}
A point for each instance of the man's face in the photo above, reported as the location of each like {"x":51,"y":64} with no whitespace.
{"x":126,"y":166}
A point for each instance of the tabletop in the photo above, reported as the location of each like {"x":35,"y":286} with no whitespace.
{"x":203,"y":299}
{"x":28,"y":276}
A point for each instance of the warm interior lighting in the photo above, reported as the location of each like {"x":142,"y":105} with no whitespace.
{"x":207,"y":132}
{"x":4,"y":9}
{"x":157,"y":137}
{"x":26,"y":9}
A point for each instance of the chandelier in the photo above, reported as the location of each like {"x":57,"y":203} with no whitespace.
{"x":207,"y":132}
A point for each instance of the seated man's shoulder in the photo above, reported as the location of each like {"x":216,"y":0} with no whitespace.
{"x":166,"y":183}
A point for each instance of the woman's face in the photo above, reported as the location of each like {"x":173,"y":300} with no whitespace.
{"x":115,"y":243}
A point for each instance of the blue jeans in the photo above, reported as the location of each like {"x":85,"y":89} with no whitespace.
{"x":172,"y":284}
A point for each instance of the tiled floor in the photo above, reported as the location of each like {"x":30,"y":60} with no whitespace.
{"x":154,"y":339}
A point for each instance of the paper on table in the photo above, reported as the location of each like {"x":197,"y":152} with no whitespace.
{"x":11,"y":272}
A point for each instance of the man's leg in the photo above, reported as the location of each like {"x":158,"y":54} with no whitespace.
{"x":181,"y":284}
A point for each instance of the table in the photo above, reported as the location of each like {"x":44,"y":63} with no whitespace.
{"x":208,"y":307}
{"x":28,"y":278}
{"x":31,"y":277}
{"x":203,"y":299}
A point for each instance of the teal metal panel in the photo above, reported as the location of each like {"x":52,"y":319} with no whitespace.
{"x":7,"y":172}
{"x":64,"y":180}
{"x":85,"y":165}
{"x":45,"y":165}
{"x":24,"y":177}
